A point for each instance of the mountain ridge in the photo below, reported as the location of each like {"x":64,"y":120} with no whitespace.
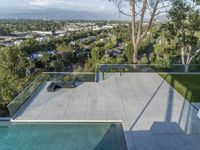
{"x":59,"y":14}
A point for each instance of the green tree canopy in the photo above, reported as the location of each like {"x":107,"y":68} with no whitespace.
{"x":183,"y":28}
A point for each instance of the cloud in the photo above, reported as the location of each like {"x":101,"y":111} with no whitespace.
{"x":46,"y":3}
{"x":102,"y":7}
{"x":87,"y":5}
{"x":58,"y":3}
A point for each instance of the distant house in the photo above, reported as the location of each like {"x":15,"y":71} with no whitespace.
{"x":113,"y":52}
{"x":83,"y":40}
{"x":18,"y":42}
{"x":42,"y":39}
{"x":96,"y":28}
{"x":52,"y":53}
{"x":37,"y":55}
{"x":60,"y":35}
{"x":19,"y":34}
{"x":107,"y":27}
{"x":60,"y":32}
{"x":72,"y":43}
{"x":7,"y":43}
{"x":101,"y":40}
{"x":90,"y":38}
{"x":28,"y":36}
{"x":86,"y":46}
{"x":43,"y":33}
{"x":81,"y":52}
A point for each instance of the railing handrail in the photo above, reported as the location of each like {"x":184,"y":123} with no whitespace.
{"x":150,"y":64}
{"x":69,"y":72}
{"x":154,"y":68}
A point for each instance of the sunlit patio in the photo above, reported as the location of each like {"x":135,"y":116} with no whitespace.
{"x":154,"y":115}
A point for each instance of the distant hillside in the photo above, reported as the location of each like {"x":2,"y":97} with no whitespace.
{"x":59,"y":14}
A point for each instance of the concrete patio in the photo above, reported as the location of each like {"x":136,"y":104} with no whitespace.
{"x":155,"y":116}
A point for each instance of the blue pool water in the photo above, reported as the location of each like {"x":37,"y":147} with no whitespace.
{"x":62,"y":136}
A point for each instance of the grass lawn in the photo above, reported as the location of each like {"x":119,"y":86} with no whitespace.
{"x":187,"y":85}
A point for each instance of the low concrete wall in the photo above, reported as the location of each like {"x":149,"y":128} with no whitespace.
{"x":5,"y":119}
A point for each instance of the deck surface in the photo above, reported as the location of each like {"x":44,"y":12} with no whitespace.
{"x":155,"y":116}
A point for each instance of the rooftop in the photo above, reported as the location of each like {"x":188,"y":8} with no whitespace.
{"x":154,"y":115}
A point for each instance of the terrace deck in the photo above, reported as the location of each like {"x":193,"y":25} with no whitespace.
{"x":154,"y":115}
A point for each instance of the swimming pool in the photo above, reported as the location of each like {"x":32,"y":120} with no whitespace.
{"x":62,"y":136}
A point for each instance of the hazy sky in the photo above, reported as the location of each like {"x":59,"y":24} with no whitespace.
{"x":85,"y":5}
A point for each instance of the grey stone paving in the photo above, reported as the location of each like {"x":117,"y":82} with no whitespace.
{"x":197,"y":105}
{"x":154,"y":115}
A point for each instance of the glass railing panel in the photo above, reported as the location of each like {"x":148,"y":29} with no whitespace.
{"x":174,"y":68}
{"x":22,"y":98}
{"x":71,"y":76}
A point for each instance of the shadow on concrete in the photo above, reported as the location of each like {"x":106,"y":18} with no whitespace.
{"x":181,"y":135}
{"x":146,"y":106}
{"x":113,"y":139}
{"x":188,"y":120}
{"x":168,"y":114}
{"x":162,"y":136}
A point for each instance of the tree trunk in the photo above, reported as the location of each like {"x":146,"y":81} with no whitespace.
{"x":135,"y":57}
{"x":135,"y":54}
{"x":135,"y":49}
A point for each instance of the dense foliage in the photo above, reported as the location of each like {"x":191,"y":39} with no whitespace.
{"x":13,"y":79}
{"x":7,"y":27}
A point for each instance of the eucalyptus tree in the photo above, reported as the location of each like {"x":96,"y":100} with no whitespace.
{"x":184,"y":28}
{"x":143,"y":14}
